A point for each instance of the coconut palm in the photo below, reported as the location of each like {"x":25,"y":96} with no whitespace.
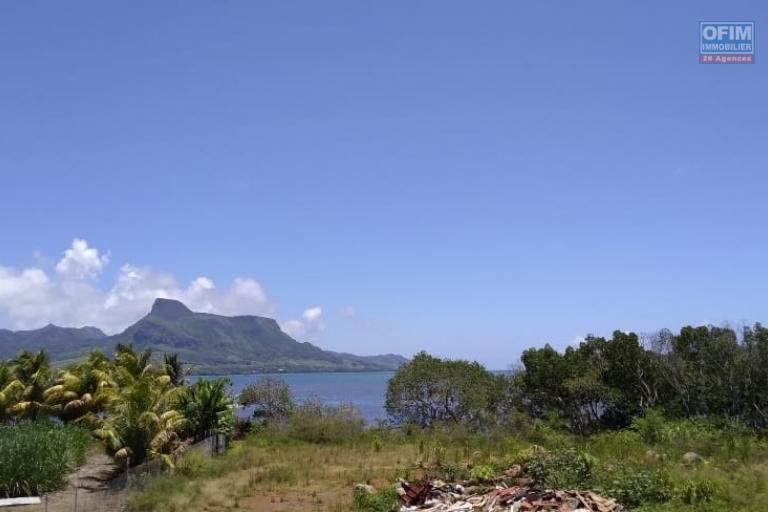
{"x":131,"y":364}
{"x":10,"y":390}
{"x":80,"y":389}
{"x":175,"y":370}
{"x":141,"y":420}
{"x":34,"y":373}
{"x":208,"y":406}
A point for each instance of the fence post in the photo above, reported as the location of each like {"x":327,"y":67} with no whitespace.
{"x":77,"y":486}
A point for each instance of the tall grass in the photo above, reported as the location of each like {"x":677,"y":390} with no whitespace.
{"x":35,"y":457}
{"x":316,"y":422}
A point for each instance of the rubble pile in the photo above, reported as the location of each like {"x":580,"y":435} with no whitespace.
{"x":439,"y":496}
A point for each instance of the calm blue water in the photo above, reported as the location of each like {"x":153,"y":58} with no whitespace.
{"x":366,"y":390}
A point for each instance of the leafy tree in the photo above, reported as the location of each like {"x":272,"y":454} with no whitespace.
{"x":271,"y":398}
{"x":428,"y":390}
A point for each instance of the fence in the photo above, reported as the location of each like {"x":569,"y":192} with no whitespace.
{"x":88,"y":491}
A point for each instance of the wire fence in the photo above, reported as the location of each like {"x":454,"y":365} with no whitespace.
{"x":97,"y":494}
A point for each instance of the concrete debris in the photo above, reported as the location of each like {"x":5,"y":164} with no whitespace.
{"x":367,"y":489}
{"x":439,"y":496}
{"x":691,"y":458}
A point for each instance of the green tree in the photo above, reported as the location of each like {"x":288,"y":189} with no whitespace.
{"x":429,"y":390}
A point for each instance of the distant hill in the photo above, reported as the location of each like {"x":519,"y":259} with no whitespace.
{"x":61,"y":342}
{"x":212,"y":344}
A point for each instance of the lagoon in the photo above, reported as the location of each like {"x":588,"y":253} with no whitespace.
{"x":365,"y":390}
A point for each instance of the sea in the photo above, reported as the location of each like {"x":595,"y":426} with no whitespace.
{"x":365,"y":390}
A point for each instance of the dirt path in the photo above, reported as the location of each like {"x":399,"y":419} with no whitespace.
{"x":92,"y":488}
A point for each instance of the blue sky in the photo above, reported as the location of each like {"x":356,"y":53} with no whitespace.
{"x":467,"y":178}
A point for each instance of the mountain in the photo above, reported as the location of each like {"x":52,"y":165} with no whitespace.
{"x":62,"y":342}
{"x":212,"y":344}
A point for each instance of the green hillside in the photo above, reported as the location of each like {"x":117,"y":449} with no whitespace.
{"x":211,"y":344}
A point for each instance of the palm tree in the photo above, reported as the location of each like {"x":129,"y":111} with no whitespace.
{"x":34,"y":373}
{"x":208,"y":407}
{"x":175,"y":369}
{"x":141,"y":420}
{"x":80,"y":389}
{"x":10,"y":390}
{"x":131,"y":364}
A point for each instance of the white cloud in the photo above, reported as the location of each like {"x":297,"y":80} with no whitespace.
{"x":348,"y":312}
{"x":312,"y":315}
{"x":81,"y":261}
{"x":310,"y":325}
{"x":70,"y":296}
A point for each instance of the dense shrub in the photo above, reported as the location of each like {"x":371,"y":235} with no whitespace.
{"x":35,"y":457}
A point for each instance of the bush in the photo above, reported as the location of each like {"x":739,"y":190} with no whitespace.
{"x":562,"y":469}
{"x":633,"y":487}
{"x":193,"y":464}
{"x":482,"y":473}
{"x":35,"y":457}
{"x":650,"y":427}
{"x":384,"y":500}
{"x":316,"y":422}
{"x":270,"y":398}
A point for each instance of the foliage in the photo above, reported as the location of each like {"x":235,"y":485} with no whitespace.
{"x":80,"y":389}
{"x":634,"y":486}
{"x":174,"y":369}
{"x":141,"y":420}
{"x":10,"y":390}
{"x":562,"y":469}
{"x":270,"y":398}
{"x":602,"y":383}
{"x":35,"y":457}
{"x":383,"y":500}
{"x":427,"y":391}
{"x":137,"y":408}
{"x":316,"y":422}
{"x":482,"y":473}
{"x":33,"y":373}
{"x":207,"y":406}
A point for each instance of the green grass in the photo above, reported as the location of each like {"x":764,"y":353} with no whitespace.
{"x":35,"y":457}
{"x":642,"y":467}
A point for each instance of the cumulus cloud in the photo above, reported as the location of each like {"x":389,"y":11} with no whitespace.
{"x":81,"y":261}
{"x":70,"y":295}
{"x":309,"y":326}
